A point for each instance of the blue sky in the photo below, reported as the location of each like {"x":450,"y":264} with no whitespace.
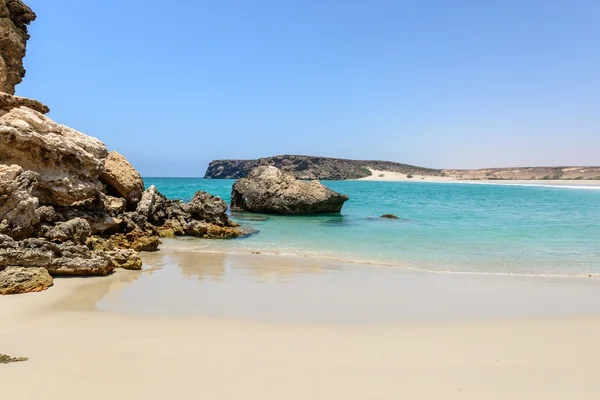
{"x":458,"y":84}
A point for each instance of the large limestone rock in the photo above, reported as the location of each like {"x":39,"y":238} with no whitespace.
{"x":14,"y":18}
{"x":18,"y":216}
{"x":16,"y":280}
{"x":69,"y":163}
{"x":269,"y":190}
{"x":59,"y":259}
{"x":121,"y":177}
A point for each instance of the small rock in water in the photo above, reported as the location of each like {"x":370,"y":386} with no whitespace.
{"x":389,"y":216}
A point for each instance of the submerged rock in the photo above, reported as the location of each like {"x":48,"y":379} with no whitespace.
{"x":16,"y":280}
{"x":120,"y":176}
{"x":271,"y":191}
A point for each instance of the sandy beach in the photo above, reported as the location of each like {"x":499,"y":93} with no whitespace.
{"x":103,"y":337}
{"x":400,"y":177}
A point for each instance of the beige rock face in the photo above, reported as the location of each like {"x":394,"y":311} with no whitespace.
{"x":16,"y":280}
{"x":120,"y":175}
{"x":69,"y":163}
{"x":8,"y":102}
{"x":14,"y":18}
{"x":18,"y":216}
{"x":271,"y":191}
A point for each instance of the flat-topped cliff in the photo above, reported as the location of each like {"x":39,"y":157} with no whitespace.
{"x":325,"y":168}
{"x":308,"y":167}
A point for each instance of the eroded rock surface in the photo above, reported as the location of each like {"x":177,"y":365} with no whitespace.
{"x":16,"y":280}
{"x":120,"y":176}
{"x":18,"y":217}
{"x":76,"y":230}
{"x":68,"y":162}
{"x":271,"y":191}
{"x":58,"y":259}
{"x":14,"y":18}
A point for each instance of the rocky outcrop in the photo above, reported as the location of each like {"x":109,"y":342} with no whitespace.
{"x":76,"y":230}
{"x":269,"y":190}
{"x":311,"y":168}
{"x":153,"y":206}
{"x":16,"y":280}
{"x":206,"y":207}
{"x":18,"y":216}
{"x":59,"y":259}
{"x":68,"y":162}
{"x":204,"y":216}
{"x":8,"y":102}
{"x":14,"y":18}
{"x":324,"y":168}
{"x":66,"y":204}
{"x":122,"y":178}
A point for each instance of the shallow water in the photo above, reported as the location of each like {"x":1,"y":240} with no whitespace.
{"x":455,"y":227}
{"x":180,"y":281}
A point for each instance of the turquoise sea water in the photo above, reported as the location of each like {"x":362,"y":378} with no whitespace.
{"x":455,"y":227}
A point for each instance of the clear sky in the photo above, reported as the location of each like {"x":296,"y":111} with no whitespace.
{"x":437,"y":83}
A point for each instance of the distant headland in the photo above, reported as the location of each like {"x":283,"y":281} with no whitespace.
{"x":325,"y":168}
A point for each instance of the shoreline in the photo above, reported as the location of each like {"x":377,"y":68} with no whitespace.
{"x":368,"y":263}
{"x":74,"y":350}
{"x":400,"y":177}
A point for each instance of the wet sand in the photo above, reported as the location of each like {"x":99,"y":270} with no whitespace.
{"x":228,"y":326}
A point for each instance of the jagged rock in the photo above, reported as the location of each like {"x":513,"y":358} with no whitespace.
{"x":69,"y":163}
{"x":18,"y":217}
{"x":153,"y":206}
{"x":58,"y":259}
{"x":211,"y":231}
{"x":76,"y":230}
{"x":120,"y":176}
{"x":171,"y":228}
{"x":48,"y":215}
{"x":100,"y":221}
{"x":137,"y":240}
{"x":125,"y":258}
{"x":206,"y":207}
{"x":271,"y":191}
{"x":114,"y":205}
{"x":8,"y":102}
{"x":16,"y":280}
{"x":14,"y":18}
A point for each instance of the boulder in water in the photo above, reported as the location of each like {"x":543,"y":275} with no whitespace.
{"x":269,"y":190}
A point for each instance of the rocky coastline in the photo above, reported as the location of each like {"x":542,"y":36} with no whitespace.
{"x":311,"y":168}
{"x":68,"y":205}
{"x":324,"y":168}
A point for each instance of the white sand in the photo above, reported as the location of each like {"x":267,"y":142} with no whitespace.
{"x":378,"y":175}
{"x":78,"y":353}
{"x":389,"y":176}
